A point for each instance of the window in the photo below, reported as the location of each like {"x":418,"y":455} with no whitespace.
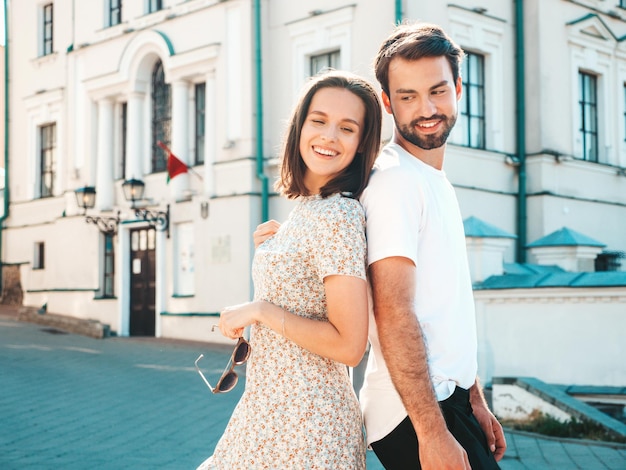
{"x":161,"y":117}
{"x":326,"y":60}
{"x":471,"y":118}
{"x":47,"y":30}
{"x":47,"y":159}
{"x":622,"y":3}
{"x":123,"y":130}
{"x":108,"y":272}
{"x":200,"y":114}
{"x":609,"y":260}
{"x":38,"y":255}
{"x":154,"y":5}
{"x":115,"y":12}
{"x":588,"y":102}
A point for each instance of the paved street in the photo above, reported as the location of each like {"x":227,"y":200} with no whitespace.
{"x":73,"y":402}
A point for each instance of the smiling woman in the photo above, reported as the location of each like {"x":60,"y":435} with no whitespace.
{"x":309,"y":316}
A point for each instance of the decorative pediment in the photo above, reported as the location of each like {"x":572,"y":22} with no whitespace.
{"x":592,"y":25}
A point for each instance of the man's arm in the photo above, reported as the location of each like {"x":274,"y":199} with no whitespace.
{"x":402,"y":345}
{"x":488,"y":422}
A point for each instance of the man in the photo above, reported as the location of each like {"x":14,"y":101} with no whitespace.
{"x":420,"y":385}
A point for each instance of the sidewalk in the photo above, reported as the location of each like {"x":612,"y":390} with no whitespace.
{"x":76,"y":402}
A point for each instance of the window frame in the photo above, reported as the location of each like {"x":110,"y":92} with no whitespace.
{"x":152,"y":6}
{"x":114,"y":15}
{"x":161,"y":117}
{"x":39,"y":255}
{"x":47,"y":29}
{"x":624,"y":112}
{"x":472,"y":106}
{"x":47,"y":158}
{"x":199,"y":122}
{"x":331,"y":58}
{"x":108,"y":266}
{"x":123,"y":136}
{"x":588,"y":110}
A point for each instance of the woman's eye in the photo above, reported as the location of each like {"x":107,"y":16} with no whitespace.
{"x":347,"y":129}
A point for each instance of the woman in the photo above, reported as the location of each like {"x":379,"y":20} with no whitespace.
{"x":309,"y":314}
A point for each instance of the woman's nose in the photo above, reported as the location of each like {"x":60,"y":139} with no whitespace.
{"x":330,"y":133}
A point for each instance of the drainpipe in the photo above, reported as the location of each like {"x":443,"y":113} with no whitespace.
{"x":521,"y":131}
{"x":260,"y":171}
{"x":398,"y":11}
{"x":5,"y":212}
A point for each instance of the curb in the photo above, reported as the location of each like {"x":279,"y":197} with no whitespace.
{"x":91,"y":328}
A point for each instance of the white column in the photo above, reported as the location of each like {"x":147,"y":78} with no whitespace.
{"x":210,"y":134}
{"x":123,"y":280}
{"x":134,"y":136}
{"x":180,"y":138}
{"x":104,"y":163}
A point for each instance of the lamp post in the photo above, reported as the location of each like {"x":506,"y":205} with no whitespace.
{"x":86,"y":199}
{"x":133,"y":191}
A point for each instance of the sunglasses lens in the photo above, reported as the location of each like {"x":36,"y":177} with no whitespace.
{"x":241,"y":353}
{"x":228,"y":382}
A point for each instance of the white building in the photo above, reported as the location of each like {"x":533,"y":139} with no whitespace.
{"x":540,"y":143}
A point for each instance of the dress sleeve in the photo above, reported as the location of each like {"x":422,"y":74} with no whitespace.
{"x":340,"y":240}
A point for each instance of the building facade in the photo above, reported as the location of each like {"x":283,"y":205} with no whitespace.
{"x":94,"y":86}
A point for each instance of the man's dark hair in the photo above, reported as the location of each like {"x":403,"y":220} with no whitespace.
{"x":413,"y":41}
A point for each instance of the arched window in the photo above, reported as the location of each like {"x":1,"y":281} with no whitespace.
{"x":161,"y":117}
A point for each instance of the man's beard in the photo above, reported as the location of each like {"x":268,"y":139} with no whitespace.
{"x":428,"y":142}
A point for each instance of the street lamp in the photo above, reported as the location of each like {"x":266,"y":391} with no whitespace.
{"x":86,"y":199}
{"x":133,"y":191}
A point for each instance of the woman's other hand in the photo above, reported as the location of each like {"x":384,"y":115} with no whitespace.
{"x":265,"y":231}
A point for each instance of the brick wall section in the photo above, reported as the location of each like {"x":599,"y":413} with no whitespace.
{"x":12,"y":293}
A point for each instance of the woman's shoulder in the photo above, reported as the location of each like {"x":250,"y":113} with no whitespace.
{"x":342,"y":209}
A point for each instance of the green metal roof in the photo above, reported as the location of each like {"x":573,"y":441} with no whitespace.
{"x":476,"y":228}
{"x":565,"y":237}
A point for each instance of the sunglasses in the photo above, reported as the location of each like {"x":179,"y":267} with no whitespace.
{"x":229,"y":377}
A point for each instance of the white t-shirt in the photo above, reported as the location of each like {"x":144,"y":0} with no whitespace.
{"x":412,"y":211}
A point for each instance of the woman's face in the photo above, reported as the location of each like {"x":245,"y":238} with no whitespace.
{"x":330,"y":135}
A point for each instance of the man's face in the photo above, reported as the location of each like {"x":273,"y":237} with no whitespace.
{"x":423,"y":99}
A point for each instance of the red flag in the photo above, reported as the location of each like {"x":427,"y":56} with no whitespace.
{"x":175,"y":166}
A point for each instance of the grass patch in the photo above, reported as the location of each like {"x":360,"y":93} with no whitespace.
{"x":547,"y":425}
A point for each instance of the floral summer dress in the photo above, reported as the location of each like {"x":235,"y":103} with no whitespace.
{"x":299,"y":410}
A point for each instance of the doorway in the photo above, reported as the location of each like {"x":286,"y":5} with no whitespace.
{"x":142,"y":282}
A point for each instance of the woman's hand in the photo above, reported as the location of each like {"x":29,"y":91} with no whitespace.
{"x":234,"y":319}
{"x":264,"y":231}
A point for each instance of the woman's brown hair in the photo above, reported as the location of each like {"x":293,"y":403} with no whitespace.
{"x":352,"y":179}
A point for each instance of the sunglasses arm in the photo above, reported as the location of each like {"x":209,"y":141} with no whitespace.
{"x":202,"y":375}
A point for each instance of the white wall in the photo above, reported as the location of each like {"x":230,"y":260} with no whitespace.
{"x":558,"y":335}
